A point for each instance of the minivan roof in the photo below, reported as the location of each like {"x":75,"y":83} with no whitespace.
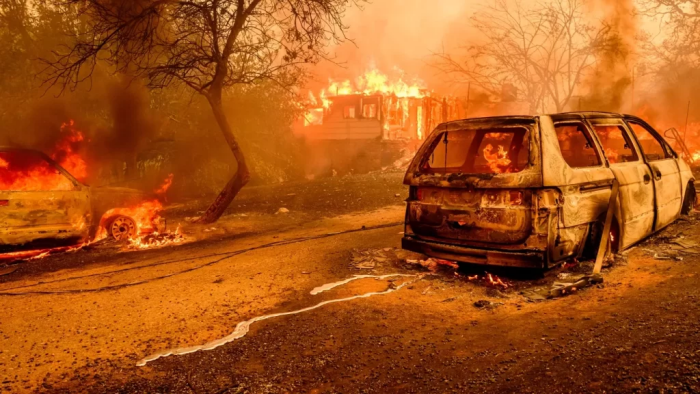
{"x":555,"y":117}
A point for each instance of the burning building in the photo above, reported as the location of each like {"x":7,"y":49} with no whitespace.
{"x":367,"y":124}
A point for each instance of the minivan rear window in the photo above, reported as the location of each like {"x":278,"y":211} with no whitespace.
{"x":479,"y":151}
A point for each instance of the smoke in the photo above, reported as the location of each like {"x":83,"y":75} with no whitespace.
{"x":609,"y":84}
{"x":397,"y":34}
{"x":132,"y":121}
{"x":113,"y":116}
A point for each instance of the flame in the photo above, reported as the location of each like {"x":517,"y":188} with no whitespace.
{"x":22,"y":171}
{"x":65,"y":152}
{"x":163,"y":188}
{"x":39,"y":253}
{"x":372,"y":82}
{"x":491,"y":279}
{"x":498,"y":161}
{"x":496,"y":281}
{"x":149,"y":223}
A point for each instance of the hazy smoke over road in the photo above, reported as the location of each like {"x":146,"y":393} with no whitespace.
{"x":609,"y":84}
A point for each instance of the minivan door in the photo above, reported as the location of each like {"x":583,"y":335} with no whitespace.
{"x":636,"y":192}
{"x":665,"y":173}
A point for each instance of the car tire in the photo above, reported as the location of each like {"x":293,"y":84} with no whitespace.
{"x":121,"y":228}
{"x":688,"y":200}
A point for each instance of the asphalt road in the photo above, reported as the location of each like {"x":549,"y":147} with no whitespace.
{"x":82,"y":322}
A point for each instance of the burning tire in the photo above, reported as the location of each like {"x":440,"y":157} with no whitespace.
{"x":121,"y":228}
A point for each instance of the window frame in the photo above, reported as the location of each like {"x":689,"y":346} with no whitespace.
{"x":437,"y":138}
{"x":664,"y":144}
{"x":630,"y":138}
{"x":590,"y":136}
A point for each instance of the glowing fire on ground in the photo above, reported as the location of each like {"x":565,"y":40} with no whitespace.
{"x":40,"y":253}
{"x":498,"y":161}
{"x":23,"y":171}
{"x":489,"y":279}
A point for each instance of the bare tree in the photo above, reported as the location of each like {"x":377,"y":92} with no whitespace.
{"x":679,"y":47}
{"x":542,"y":50}
{"x":207,"y":45}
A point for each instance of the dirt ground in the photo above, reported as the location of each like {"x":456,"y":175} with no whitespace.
{"x":81,"y":322}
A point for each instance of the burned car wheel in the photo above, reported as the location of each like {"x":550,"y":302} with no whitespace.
{"x":122,"y":228}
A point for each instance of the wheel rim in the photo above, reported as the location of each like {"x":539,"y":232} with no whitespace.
{"x":122,"y":228}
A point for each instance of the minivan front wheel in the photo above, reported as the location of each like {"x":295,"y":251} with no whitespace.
{"x":688,"y":200}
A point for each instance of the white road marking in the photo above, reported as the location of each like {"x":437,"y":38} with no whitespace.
{"x":242,"y":328}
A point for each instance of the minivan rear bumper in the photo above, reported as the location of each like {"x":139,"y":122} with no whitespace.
{"x":525,"y":259}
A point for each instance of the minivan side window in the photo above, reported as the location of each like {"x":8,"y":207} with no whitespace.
{"x":652,"y":148}
{"x":576,"y":145}
{"x":616,"y":144}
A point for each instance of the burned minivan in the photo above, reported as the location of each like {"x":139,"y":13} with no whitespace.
{"x":533,"y":191}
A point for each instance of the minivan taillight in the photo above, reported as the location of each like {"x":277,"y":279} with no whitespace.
{"x":415,"y":193}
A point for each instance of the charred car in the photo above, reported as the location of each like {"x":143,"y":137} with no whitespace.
{"x":42,"y":204}
{"x":533,"y":191}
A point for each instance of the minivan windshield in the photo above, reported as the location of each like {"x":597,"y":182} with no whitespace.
{"x":479,"y":151}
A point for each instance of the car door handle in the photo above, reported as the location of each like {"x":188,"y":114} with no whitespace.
{"x":658,"y":174}
{"x":647,"y":178}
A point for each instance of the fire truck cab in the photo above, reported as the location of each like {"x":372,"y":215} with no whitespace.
{"x":533,"y":191}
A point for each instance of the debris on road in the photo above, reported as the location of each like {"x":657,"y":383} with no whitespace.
{"x":371,"y":258}
{"x":432,"y":264}
{"x":486,"y":304}
{"x":282,"y":210}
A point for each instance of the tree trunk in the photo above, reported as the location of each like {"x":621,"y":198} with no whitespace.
{"x":242,"y":176}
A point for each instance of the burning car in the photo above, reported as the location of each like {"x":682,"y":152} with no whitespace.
{"x":41,"y":203}
{"x":533,"y":191}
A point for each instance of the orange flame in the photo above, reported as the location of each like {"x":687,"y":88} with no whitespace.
{"x":65,"y":152}
{"x":22,"y":171}
{"x":498,"y":161}
{"x":163,"y":188}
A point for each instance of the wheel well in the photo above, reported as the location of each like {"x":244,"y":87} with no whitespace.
{"x":689,"y":199}
{"x":595,"y":236}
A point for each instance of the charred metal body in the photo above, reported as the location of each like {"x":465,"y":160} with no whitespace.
{"x":540,"y":198}
{"x":71,"y":214}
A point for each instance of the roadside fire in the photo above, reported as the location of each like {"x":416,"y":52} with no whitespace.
{"x":140,"y":226}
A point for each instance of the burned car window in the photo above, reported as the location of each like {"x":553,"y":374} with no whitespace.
{"x":651,"y":147}
{"x":576,"y":145}
{"x":616,"y":144}
{"x":28,"y":171}
{"x":479,"y":151}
